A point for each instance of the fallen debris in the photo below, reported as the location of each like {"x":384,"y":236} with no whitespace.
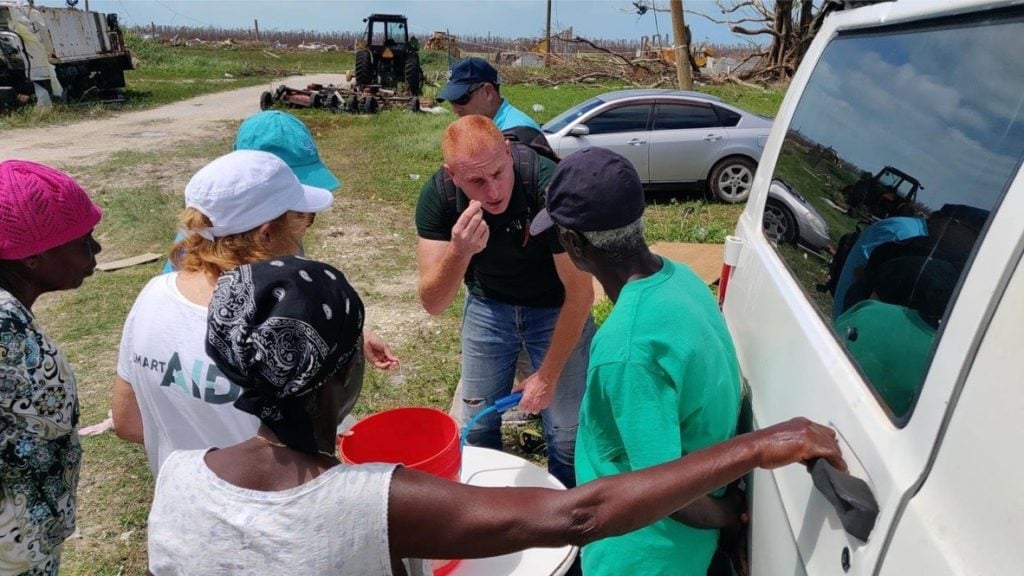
{"x":128,"y":262}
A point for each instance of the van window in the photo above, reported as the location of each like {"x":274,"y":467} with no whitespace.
{"x":904,"y":140}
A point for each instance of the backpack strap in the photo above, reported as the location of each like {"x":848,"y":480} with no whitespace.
{"x":446,"y":190}
{"x":528,"y":168}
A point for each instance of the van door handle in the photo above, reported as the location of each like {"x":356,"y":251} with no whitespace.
{"x":636,"y":142}
{"x":713,"y":137}
{"x":849,"y":495}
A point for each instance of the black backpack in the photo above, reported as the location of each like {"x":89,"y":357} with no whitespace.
{"x":524,"y":158}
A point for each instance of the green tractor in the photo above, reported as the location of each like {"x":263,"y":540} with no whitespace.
{"x":388,"y":56}
{"x":890,"y":192}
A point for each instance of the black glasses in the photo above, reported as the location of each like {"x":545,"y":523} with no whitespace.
{"x":465,"y":98}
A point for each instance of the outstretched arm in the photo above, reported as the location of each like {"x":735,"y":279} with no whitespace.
{"x":474,"y":522}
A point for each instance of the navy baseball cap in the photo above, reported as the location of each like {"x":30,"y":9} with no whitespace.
{"x":464,"y":74}
{"x":592,"y":190}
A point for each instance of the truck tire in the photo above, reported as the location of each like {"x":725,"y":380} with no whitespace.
{"x":413,"y":74}
{"x":364,"y":68}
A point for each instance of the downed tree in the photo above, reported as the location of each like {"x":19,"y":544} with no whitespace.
{"x":790,"y":24}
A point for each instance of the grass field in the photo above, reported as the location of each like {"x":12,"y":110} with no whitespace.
{"x":382,"y":161}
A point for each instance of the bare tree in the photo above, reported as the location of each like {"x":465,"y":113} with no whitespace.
{"x":790,"y":25}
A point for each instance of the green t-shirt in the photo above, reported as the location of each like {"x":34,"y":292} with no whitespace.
{"x":892,"y":345}
{"x":663,"y":382}
{"x":514,"y":268}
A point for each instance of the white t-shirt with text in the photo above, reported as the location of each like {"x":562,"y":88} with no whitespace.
{"x":186,"y":402}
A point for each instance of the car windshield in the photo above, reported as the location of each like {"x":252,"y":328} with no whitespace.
{"x":565,"y":118}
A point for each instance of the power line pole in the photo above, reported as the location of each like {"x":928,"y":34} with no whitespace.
{"x":547,"y":40}
{"x":682,"y":46}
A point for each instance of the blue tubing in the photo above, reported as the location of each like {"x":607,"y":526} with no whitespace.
{"x":500,"y":405}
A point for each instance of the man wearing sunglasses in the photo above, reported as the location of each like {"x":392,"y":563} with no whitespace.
{"x":473,"y":88}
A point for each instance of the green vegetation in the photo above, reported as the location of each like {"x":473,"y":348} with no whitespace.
{"x":382,"y":160}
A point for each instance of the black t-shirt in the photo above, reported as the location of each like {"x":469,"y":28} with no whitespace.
{"x":514,"y":268}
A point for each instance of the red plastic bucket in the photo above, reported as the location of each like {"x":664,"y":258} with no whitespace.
{"x":423,"y":439}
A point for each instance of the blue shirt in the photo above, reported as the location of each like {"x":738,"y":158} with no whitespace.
{"x":887,"y":230}
{"x":509,"y":116}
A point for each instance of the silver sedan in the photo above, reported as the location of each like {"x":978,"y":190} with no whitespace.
{"x":672,"y":137}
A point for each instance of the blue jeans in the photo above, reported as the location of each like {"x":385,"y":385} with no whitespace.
{"x":493,"y":333}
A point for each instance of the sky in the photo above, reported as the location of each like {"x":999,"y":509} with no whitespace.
{"x":604,"y":19}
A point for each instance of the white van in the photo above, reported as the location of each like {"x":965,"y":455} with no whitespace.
{"x":904,"y":128}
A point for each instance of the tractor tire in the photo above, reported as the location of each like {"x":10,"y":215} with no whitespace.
{"x":266,"y":101}
{"x":413,"y":74}
{"x":364,"y":68}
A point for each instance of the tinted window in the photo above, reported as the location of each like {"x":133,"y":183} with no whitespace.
{"x":683,"y":116}
{"x":622,"y":119}
{"x":727,"y":117}
{"x":903,"y":142}
{"x":563,"y":119}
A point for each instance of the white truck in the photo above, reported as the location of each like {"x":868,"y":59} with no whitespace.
{"x":58,"y":53}
{"x":914,"y":353}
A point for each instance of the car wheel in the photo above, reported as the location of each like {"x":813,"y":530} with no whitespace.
{"x":731,"y":179}
{"x":778,"y":223}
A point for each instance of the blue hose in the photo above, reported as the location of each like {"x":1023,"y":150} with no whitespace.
{"x":500,"y":405}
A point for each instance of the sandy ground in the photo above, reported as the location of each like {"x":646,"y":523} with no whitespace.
{"x":146,"y":130}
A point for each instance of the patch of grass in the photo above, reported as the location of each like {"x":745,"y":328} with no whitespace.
{"x":114,"y":496}
{"x":602,"y":308}
{"x":693,"y":221}
{"x":765,"y":101}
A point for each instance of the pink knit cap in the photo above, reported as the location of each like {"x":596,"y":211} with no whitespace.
{"x":40,"y":208}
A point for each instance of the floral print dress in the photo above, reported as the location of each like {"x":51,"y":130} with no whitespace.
{"x":39,"y":449}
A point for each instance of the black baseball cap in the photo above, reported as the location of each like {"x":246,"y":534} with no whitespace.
{"x":464,"y":74}
{"x":592,"y":190}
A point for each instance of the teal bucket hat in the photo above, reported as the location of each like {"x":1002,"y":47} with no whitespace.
{"x":286,"y":137}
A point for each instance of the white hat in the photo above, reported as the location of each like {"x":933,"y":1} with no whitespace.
{"x":247,"y":188}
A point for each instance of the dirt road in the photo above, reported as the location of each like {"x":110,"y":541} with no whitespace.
{"x":146,"y":130}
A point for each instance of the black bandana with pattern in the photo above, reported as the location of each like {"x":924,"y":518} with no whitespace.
{"x":280,"y":329}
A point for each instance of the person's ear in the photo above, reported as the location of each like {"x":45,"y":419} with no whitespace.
{"x":265,"y":235}
{"x":573,"y":242}
{"x":451,"y":174}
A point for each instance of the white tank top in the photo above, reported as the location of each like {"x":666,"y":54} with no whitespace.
{"x":336,"y":524}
